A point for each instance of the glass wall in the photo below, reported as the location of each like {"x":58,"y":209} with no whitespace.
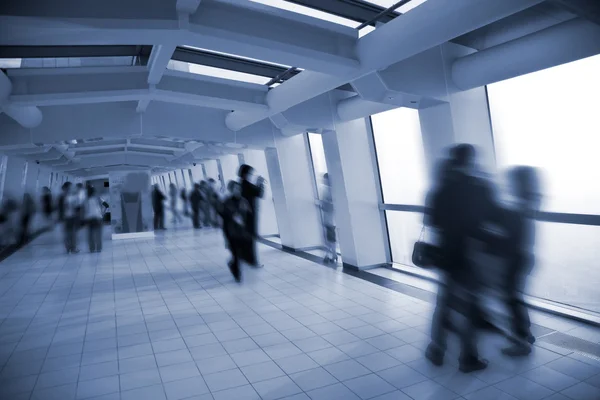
{"x":549,"y":119}
{"x":400,"y":156}
{"x":403,"y":174}
{"x":317,"y":153}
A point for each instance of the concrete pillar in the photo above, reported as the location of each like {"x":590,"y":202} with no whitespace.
{"x":292,"y":183}
{"x":13,"y":178}
{"x":464,"y":119}
{"x":353,"y":174}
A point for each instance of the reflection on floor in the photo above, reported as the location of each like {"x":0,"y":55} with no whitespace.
{"x":163,"y":319}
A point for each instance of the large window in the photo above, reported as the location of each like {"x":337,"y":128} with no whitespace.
{"x":404,"y":178}
{"x":549,"y":119}
{"x":400,"y":156}
{"x":317,"y":153}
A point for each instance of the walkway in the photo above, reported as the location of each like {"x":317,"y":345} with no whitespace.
{"x":163,"y":319}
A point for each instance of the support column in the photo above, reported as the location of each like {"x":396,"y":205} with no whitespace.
{"x":291,"y":181}
{"x":212,"y":170}
{"x":131,"y":205}
{"x":229,"y":168}
{"x":13,"y":178}
{"x":464,"y":119}
{"x":31,"y":178}
{"x":352,"y":168}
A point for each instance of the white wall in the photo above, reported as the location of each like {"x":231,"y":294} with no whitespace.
{"x":267,"y":220}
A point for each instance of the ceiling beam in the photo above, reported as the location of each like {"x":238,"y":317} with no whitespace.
{"x":73,"y":51}
{"x":423,"y":28}
{"x":124,"y":85}
{"x":235,"y":27}
{"x":586,"y":9}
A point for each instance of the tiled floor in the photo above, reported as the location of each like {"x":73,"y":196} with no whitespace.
{"x":163,"y":319}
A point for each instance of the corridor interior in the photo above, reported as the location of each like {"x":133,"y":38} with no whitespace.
{"x":162,"y":318}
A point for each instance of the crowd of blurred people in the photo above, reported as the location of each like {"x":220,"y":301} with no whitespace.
{"x":75,"y":207}
{"x":234,"y":210}
{"x":473,"y":228}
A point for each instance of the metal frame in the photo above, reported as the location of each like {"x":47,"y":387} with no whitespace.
{"x":74,"y":51}
{"x":231,"y":63}
{"x":542,"y":216}
{"x":354,"y":10}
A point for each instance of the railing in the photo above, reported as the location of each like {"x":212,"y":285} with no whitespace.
{"x":542,"y":216}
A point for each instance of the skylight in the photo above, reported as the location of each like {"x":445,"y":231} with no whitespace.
{"x":237,"y":56}
{"x":311,"y":12}
{"x":217,"y":72}
{"x":65,"y":62}
{"x":403,"y":9}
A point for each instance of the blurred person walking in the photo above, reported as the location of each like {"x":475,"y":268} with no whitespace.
{"x":518,"y":250}
{"x":173,"y":199}
{"x":158,"y":204}
{"x":184,"y":201}
{"x":46,"y":201}
{"x":93,"y":219}
{"x":196,"y":200}
{"x":251,"y":192}
{"x":326,"y":205}
{"x":458,"y":209}
{"x":234,"y":211}
{"x":28,"y":209}
{"x":70,"y":207}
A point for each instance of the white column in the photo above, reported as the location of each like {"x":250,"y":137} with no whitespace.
{"x":352,"y":168}
{"x":291,"y":180}
{"x":13,"y":178}
{"x":464,"y":119}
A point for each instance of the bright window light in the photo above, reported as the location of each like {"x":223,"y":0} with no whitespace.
{"x":217,"y":72}
{"x":403,"y":9}
{"x":236,"y":56}
{"x":10,"y":63}
{"x":311,"y":12}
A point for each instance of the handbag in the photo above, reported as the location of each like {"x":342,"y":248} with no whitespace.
{"x":425,"y":255}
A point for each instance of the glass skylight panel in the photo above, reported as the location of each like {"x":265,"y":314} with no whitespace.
{"x":217,"y":72}
{"x":311,"y":12}
{"x":403,"y":9}
{"x":66,"y":62}
{"x":237,"y":56}
{"x":10,"y":63}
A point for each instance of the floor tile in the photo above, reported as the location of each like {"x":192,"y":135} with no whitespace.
{"x":550,"y":378}
{"x":251,"y":357}
{"x":239,"y":393}
{"x":97,"y":387}
{"x":582,"y":391}
{"x":378,"y":361}
{"x":524,"y":389}
{"x":225,"y":380}
{"x":402,"y":376}
{"x":138,"y":379}
{"x":156,"y":392}
{"x":63,"y":392}
{"x":313,"y":379}
{"x":297,"y":363}
{"x":186,"y":389}
{"x":429,"y":390}
{"x":137,"y":364}
{"x":369,"y":386}
{"x":215,"y":364}
{"x":57,"y":378}
{"x":333,"y":392}
{"x":178,"y":371}
{"x":261,"y":372}
{"x":348,"y":369}
{"x":276,"y":388}
{"x":330,"y":355}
